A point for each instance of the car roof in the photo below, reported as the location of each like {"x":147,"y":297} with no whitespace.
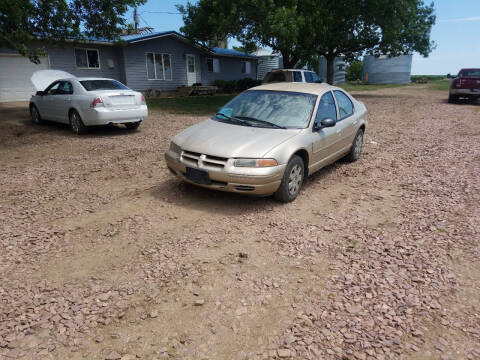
{"x":275,"y":70}
{"x":307,"y":88}
{"x":83,"y":78}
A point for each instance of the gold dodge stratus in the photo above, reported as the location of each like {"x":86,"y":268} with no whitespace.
{"x":268,"y":139}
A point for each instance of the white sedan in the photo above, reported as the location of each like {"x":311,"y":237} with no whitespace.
{"x":84,"y":102}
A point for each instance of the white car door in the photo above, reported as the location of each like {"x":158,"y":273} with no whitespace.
{"x":45,"y":101}
{"x":62,"y":101}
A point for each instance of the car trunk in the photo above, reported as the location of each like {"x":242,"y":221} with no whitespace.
{"x":120,"y":99}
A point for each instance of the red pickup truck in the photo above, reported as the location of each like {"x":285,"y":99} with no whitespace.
{"x":465,"y":85}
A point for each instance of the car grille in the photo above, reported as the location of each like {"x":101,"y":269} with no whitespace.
{"x":203,"y":160}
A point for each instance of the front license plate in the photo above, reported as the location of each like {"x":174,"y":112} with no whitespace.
{"x":198,"y":176}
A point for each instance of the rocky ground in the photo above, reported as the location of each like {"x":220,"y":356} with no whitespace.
{"x":104,"y":255}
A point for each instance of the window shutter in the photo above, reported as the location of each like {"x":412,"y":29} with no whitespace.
{"x":216,"y":65}
{"x":247,"y":67}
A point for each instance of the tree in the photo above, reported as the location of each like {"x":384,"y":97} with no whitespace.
{"x":303,"y":29}
{"x":353,"y":27}
{"x":247,"y":48}
{"x":274,"y":23}
{"x":354,"y":71}
{"x":49,"y":21}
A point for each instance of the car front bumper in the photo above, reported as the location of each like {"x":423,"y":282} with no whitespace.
{"x":104,"y":115}
{"x":254,"y":181}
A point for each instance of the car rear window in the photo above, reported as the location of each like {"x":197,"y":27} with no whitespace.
{"x":92,"y":85}
{"x":276,"y":76}
{"x":470,"y":73}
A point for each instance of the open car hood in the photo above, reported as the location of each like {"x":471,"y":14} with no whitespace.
{"x":42,"y":78}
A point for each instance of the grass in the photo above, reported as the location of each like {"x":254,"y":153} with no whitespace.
{"x":367,"y":87}
{"x":190,"y":105}
{"x":208,"y":105}
{"x":439,"y":85}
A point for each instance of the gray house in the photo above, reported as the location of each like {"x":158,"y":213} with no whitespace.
{"x":159,"y":61}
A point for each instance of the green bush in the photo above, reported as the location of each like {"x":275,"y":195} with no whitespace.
{"x":354,"y":71}
{"x":247,"y":83}
{"x":231,"y":86}
{"x":224,"y":86}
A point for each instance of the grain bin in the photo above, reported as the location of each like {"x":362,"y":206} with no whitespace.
{"x":387,"y":70}
{"x":267,"y":61}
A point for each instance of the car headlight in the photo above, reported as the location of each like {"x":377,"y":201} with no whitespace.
{"x":175,"y":148}
{"x":255,"y":162}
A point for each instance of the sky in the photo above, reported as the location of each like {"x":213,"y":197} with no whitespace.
{"x":456,"y":33}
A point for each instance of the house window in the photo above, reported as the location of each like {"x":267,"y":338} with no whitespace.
{"x":246,"y":67}
{"x":159,"y":66}
{"x":213,"y":65}
{"x":87,"y":58}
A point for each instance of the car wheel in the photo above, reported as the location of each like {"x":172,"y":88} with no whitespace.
{"x":452,"y":99}
{"x":292,"y":180}
{"x":35,"y":115}
{"x":76,"y":123}
{"x":356,"y":148}
{"x":133,"y":125}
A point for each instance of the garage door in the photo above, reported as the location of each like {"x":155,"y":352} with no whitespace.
{"x":15,"y":73}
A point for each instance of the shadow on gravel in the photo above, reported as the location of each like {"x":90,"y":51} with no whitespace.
{"x":193,"y":197}
{"x":189,"y":196}
{"x":462,"y":102}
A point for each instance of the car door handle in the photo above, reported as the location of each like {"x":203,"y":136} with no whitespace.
{"x":339,"y":131}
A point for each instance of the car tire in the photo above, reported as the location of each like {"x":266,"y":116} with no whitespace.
{"x":76,"y":123}
{"x":356,"y":149}
{"x":292,"y":180}
{"x":452,"y":99}
{"x":35,"y":115}
{"x":133,"y":125}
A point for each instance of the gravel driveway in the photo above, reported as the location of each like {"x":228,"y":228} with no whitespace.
{"x":104,"y":255}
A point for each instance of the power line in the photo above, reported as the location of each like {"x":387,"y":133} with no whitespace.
{"x":141,"y":17}
{"x":161,"y":12}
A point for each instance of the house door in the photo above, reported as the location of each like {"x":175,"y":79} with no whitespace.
{"x":191,"y":70}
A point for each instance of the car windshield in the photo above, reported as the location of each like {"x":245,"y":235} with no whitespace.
{"x":92,"y":85}
{"x":265,"y":108}
{"x":470,"y":73}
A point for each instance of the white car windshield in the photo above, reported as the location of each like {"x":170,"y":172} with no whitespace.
{"x":265,"y":108}
{"x":92,"y":85}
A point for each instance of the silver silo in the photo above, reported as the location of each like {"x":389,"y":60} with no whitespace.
{"x":267,"y":61}
{"x":338,"y":70}
{"x":387,"y":70}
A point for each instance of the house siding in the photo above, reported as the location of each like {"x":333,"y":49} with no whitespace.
{"x":230,"y":69}
{"x":62,"y":57}
{"x":136,"y":69}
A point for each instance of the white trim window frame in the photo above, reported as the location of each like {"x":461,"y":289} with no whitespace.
{"x":165,"y":76}
{"x":86,"y":50}
{"x":248,"y":67}
{"x":215,"y":65}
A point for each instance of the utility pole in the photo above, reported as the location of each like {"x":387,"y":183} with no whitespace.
{"x":135,"y":19}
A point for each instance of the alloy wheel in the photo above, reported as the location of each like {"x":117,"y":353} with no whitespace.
{"x":74,"y":123}
{"x":35,"y":115}
{"x":358,"y":146}
{"x":295,"y":179}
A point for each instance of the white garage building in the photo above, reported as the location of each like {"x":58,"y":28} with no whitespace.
{"x":15,"y":73}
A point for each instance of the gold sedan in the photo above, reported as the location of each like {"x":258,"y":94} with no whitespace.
{"x":268,"y":139}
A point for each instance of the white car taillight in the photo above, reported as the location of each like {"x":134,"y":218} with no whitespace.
{"x":96,"y":102}
{"x":143,"y":99}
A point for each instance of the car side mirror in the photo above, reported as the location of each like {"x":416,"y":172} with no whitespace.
{"x":328,"y":122}
{"x":40,"y":93}
{"x":320,"y":124}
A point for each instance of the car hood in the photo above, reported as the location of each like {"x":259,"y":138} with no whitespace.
{"x":231,"y":141}
{"x":42,"y":78}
